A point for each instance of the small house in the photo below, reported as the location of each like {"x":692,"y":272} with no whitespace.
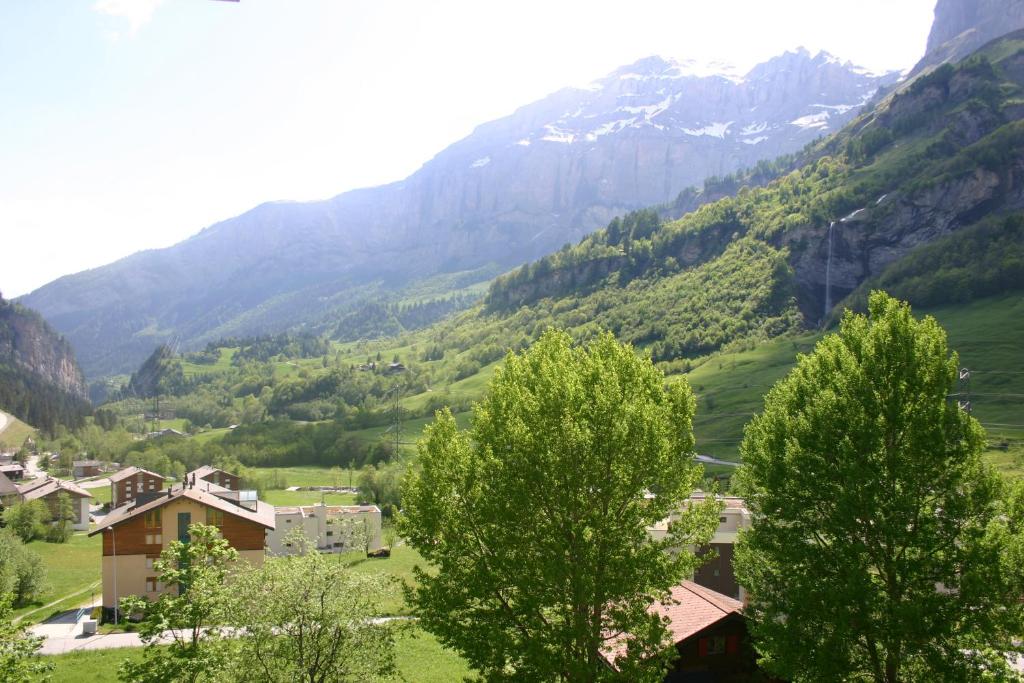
{"x":328,"y":528}
{"x":13,"y":471}
{"x":86,"y":468}
{"x":131,"y":482}
{"x":49,"y":491}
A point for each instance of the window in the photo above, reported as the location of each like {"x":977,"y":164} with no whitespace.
{"x":151,"y":584}
{"x":139,"y":486}
{"x":154,"y":518}
{"x":723,"y":520}
{"x":330,"y":533}
{"x":214,"y":517}
{"x":154,"y":539}
{"x":152,"y":486}
{"x":128,"y":492}
{"x":150,"y":559}
{"x":716,"y":646}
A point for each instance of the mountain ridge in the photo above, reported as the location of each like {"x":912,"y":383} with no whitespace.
{"x":513,"y":190}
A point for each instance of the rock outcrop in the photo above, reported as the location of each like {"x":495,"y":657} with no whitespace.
{"x":963,"y":26}
{"x":28,"y":343}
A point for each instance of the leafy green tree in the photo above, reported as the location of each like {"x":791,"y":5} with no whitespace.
{"x":535,"y":520}
{"x":61,"y":528}
{"x":27,"y":519}
{"x":193,"y":613}
{"x":876,"y":552}
{"x":22,"y":574}
{"x":308,"y":618}
{"x":19,"y":662}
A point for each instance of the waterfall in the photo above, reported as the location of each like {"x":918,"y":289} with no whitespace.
{"x":828,"y":273}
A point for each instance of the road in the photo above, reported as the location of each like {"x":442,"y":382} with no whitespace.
{"x":708,"y":460}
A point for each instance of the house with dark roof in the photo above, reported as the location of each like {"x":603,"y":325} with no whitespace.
{"x":9,"y":493}
{"x":136,"y":532}
{"x":131,"y":482}
{"x":214,"y":476}
{"x":86,"y":468}
{"x":50,"y":489}
{"x":709,"y":634}
{"x":13,"y":471}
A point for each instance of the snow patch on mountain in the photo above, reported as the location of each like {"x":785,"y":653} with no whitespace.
{"x":481,"y":162}
{"x":715,"y":130}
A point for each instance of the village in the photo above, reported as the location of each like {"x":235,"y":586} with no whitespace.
{"x":147,"y":511}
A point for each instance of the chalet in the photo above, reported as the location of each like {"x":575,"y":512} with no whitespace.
{"x":717,"y":573}
{"x":328,"y":528}
{"x":135,"y":533}
{"x":710,"y":636}
{"x":9,"y":493}
{"x":86,"y":468}
{"x":14,"y":471}
{"x":49,"y":491}
{"x":129,"y":483}
{"x":214,"y":476}
{"x":166,"y":432}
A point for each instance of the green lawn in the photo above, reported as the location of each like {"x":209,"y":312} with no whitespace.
{"x":312,"y":476}
{"x":399,"y":566}
{"x":420,"y":659}
{"x":988,"y":335}
{"x":307,"y":498}
{"x":100,"y":494}
{"x":72,"y":575}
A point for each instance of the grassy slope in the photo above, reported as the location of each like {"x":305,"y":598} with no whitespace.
{"x":15,"y":433}
{"x":70,"y":568}
{"x":988,"y":335}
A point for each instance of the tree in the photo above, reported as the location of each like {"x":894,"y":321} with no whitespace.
{"x":27,"y":519}
{"x":873,"y":555}
{"x":22,"y":574}
{"x":535,"y":520}
{"x":19,"y":662}
{"x":309,"y":619}
{"x":61,"y":528}
{"x":193,"y":614}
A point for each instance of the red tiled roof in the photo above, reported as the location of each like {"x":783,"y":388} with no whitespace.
{"x":691,"y":609}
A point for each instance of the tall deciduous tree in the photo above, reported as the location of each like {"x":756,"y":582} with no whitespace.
{"x":193,"y":614}
{"x":19,"y":662}
{"x":879,"y":538}
{"x":309,"y":618}
{"x":535,"y":520}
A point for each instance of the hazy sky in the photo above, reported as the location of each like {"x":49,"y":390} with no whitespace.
{"x":132,"y":124}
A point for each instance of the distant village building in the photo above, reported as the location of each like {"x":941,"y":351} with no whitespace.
{"x":86,"y":468}
{"x":49,"y":490}
{"x":13,"y":471}
{"x":135,"y":533}
{"x":9,"y":493}
{"x":710,"y":636}
{"x":717,"y":573}
{"x":215,"y":476}
{"x":131,"y":482}
{"x":328,"y":528}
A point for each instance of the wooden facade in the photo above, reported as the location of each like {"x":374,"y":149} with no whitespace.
{"x":129,"y":487}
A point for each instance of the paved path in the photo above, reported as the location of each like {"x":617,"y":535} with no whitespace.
{"x":3,"y":421}
{"x":94,"y":484}
{"x":707,"y":459}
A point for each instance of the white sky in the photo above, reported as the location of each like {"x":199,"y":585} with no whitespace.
{"x":132,"y":124}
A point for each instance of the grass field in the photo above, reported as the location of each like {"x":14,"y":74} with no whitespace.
{"x":987,"y":334}
{"x":100,"y":494}
{"x":277,"y":497}
{"x":419,"y":658}
{"x":72,"y":575}
{"x":15,"y":433}
{"x":399,"y":566}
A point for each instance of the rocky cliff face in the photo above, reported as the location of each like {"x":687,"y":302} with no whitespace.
{"x":962,"y":26}
{"x":29,"y":344}
{"x":515,"y":189}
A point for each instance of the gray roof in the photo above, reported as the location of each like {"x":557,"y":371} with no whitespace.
{"x":130,"y":471}
{"x":42,"y":489}
{"x":7,"y":487}
{"x":263,"y":514}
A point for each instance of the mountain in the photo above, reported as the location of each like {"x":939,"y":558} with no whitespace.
{"x":963,"y":26}
{"x":40,"y":381}
{"x":513,"y":190}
